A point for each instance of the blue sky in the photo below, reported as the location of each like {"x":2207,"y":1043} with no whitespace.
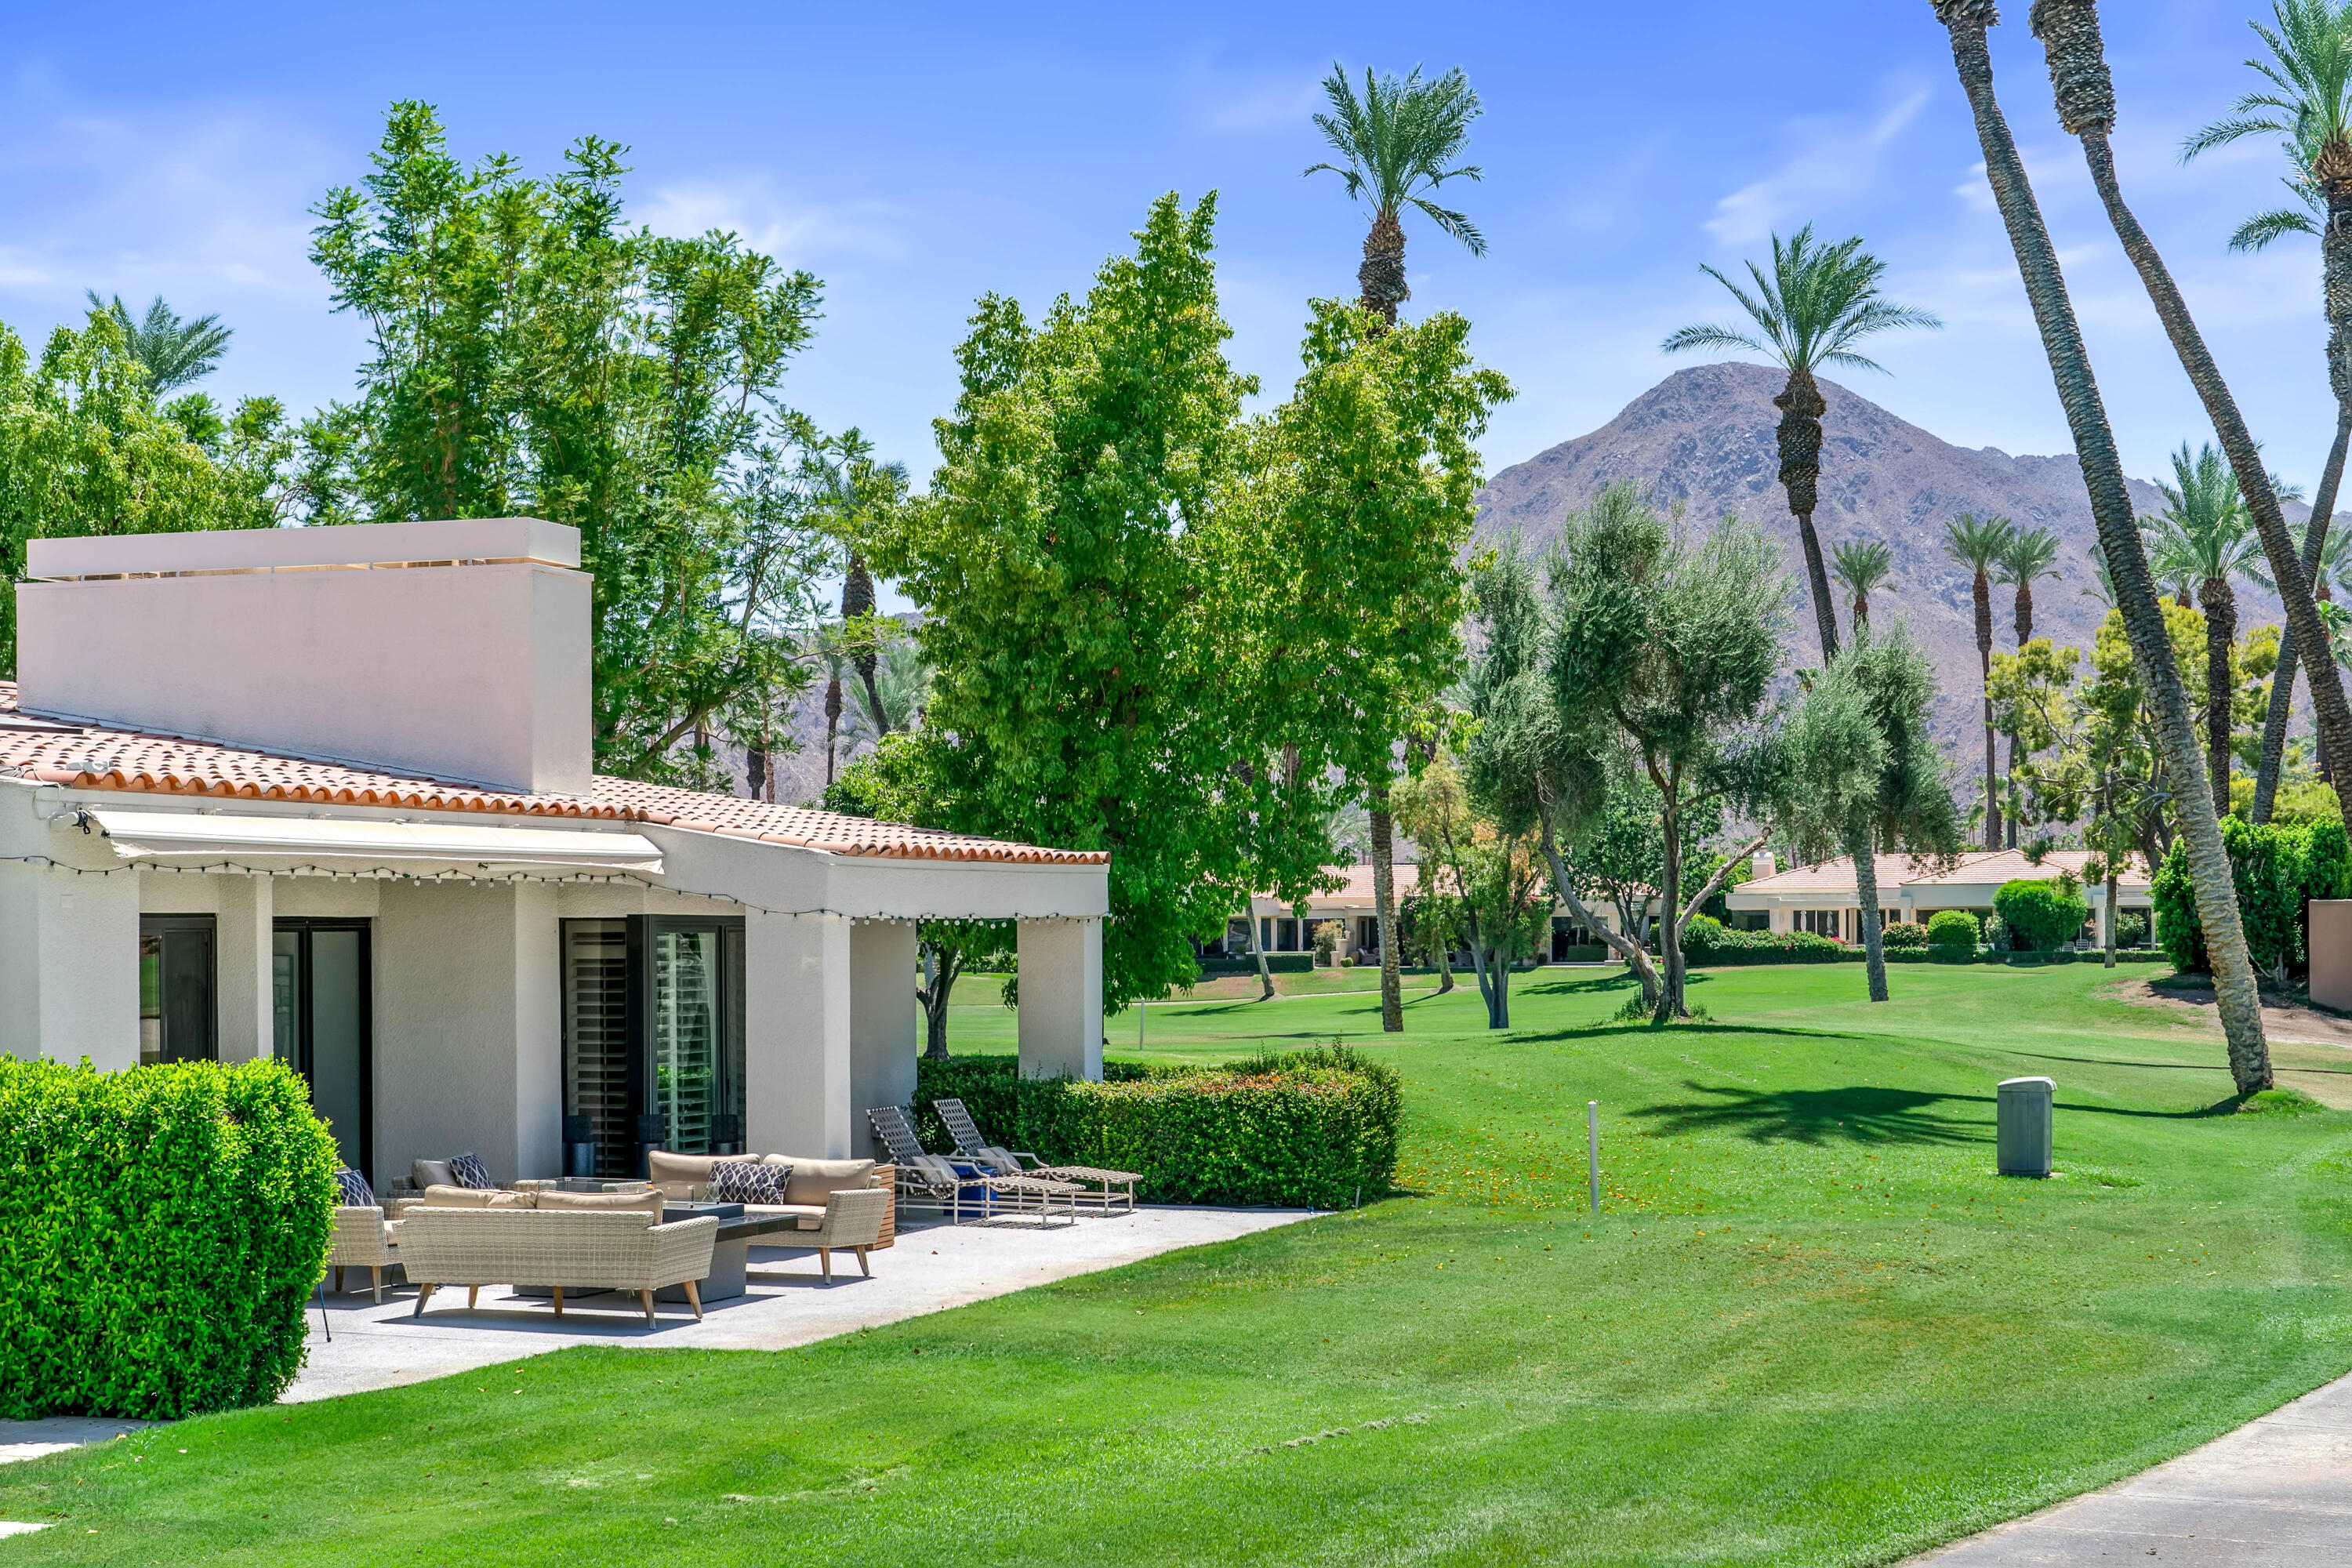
{"x":915,"y":156}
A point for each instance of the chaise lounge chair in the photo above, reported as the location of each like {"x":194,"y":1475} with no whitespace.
{"x":1101,"y":1187}
{"x":933,"y":1180}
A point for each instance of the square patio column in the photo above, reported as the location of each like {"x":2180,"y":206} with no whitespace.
{"x":1061,"y":998}
{"x":245,"y":962}
{"x":797,"y":1043}
{"x":881,"y":1021}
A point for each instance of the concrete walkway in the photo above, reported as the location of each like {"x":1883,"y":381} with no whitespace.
{"x":933,"y":1267}
{"x":2276,"y":1491}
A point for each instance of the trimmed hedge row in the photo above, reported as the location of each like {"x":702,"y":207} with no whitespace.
{"x":161,"y":1229}
{"x":1242,"y":963}
{"x":2276,"y":867}
{"x":1297,"y":1129}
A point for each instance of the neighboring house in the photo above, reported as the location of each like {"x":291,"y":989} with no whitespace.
{"x":1280,"y":929}
{"x":327,"y":794}
{"x":1821,"y":899}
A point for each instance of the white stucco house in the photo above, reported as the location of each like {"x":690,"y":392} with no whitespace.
{"x":327,"y":794}
{"x":1822,"y":898}
{"x":1351,"y":903}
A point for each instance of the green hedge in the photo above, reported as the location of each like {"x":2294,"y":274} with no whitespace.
{"x":1707,"y":941}
{"x":2042,"y":913}
{"x":1298,"y":1129}
{"x":1954,"y":934}
{"x":1904,"y":936}
{"x":2276,"y":868}
{"x":1275,"y":963}
{"x":161,"y":1229}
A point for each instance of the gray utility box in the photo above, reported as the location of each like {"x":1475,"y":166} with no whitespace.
{"x":2024,"y":1126}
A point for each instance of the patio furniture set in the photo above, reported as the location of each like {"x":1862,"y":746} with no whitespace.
{"x":684,"y":1232}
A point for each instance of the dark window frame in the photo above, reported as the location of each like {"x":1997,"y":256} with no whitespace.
{"x":163,"y":927}
{"x":305,"y":1042}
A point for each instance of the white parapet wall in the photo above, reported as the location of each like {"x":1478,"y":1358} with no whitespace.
{"x":455,"y":651}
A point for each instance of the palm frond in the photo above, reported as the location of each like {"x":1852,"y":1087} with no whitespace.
{"x":2259,"y":230}
{"x":1816,"y":302}
{"x":171,"y":352}
{"x":1399,"y":136}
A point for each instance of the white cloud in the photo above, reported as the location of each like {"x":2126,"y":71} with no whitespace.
{"x":1833,"y":158}
{"x":796,"y":233}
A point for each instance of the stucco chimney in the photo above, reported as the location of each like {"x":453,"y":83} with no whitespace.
{"x":456,"y":651}
{"x":1762,"y":864}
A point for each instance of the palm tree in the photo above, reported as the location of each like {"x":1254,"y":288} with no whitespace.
{"x":2032,"y":555}
{"x":1819,"y":303}
{"x":902,"y":687}
{"x":2307,"y":105}
{"x":2205,"y":536}
{"x":828,"y":646}
{"x":171,"y":352}
{"x":2239,"y":1004}
{"x":1978,"y":543}
{"x":2071,"y":39}
{"x":1859,"y":565}
{"x":1399,"y":139}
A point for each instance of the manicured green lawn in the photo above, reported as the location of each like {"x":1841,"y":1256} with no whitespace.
{"x":1812,"y":1327}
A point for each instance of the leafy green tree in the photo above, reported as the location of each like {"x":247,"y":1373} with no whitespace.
{"x":1811,"y":312}
{"x":84,"y":449}
{"x":1978,"y":543}
{"x":531,"y":353}
{"x":1400,"y":137}
{"x":1432,"y":805}
{"x":1861,"y":566}
{"x":1059,"y":563}
{"x":2033,"y":700}
{"x":2086,"y":100}
{"x":1672,"y":644}
{"x":2306,"y":104}
{"x":2029,"y":556}
{"x":1339,"y":556}
{"x":900,"y":780}
{"x":1906,"y":802}
{"x":172,"y":352}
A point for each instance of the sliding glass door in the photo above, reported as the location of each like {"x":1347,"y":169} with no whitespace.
{"x":321,"y":1006}
{"x":652,"y":1029}
{"x":176,"y":989}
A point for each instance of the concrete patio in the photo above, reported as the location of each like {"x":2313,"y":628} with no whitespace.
{"x":934,"y":1266}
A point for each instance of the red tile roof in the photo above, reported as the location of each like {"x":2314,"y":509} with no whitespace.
{"x":91,"y":757}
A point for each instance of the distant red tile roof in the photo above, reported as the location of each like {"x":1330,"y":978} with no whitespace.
{"x":92,"y":757}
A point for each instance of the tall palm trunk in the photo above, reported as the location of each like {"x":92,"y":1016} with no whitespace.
{"x":2221,"y":633}
{"x":2069,"y":31}
{"x":1802,"y":406}
{"x":1381,"y":276}
{"x":2315,"y":540}
{"x":2336,"y":264}
{"x":2119,"y":541}
{"x":1385,"y":910}
{"x":857,"y":599}
{"x":832,"y":724}
{"x":1982,"y":589}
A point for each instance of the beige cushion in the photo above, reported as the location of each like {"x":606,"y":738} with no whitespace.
{"x":663,"y":1167}
{"x":424,"y":1174}
{"x":813,"y":1181}
{"x":455,"y":1197}
{"x":651,"y":1203}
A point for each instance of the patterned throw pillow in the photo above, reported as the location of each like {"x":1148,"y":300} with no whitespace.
{"x":471,"y":1173}
{"x":747,"y":1182}
{"x":352,"y":1190}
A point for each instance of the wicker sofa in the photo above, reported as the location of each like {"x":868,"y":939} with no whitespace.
{"x":363,"y":1238}
{"x":811,"y":1183}
{"x":605,"y":1250}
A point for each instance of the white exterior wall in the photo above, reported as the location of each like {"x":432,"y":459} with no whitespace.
{"x":882,"y":1022}
{"x":243,"y":970}
{"x":468,"y":1039}
{"x":1061,"y":998}
{"x":282,"y":644}
{"x":68,"y":944}
{"x":798,"y":1054}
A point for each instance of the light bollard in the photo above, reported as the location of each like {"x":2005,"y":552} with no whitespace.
{"x":2022,"y":1122}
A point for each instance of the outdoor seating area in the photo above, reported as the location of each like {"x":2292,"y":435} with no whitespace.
{"x":948,"y":1186}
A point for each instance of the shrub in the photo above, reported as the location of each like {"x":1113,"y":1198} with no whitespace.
{"x":1903,"y":936}
{"x":1327,"y":938}
{"x":1242,"y":963}
{"x":1953,"y":933}
{"x":2276,"y":868}
{"x":2131,"y":931}
{"x":161,"y":1230}
{"x":2044,"y":913}
{"x":1308,"y":1128}
{"x":1715,"y":943}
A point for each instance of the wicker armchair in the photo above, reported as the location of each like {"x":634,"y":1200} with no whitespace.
{"x":851,"y":1223}
{"x":610,"y":1249}
{"x":363,"y":1238}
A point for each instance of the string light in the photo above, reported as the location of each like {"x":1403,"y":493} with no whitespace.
{"x":510,"y":879}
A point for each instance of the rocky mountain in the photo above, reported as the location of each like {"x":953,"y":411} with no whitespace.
{"x":1703,"y":437}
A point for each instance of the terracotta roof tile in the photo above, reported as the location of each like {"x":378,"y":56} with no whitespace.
{"x":91,"y":757}
{"x":1974,"y":867}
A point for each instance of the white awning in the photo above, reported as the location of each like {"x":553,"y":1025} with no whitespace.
{"x":156,"y":835}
